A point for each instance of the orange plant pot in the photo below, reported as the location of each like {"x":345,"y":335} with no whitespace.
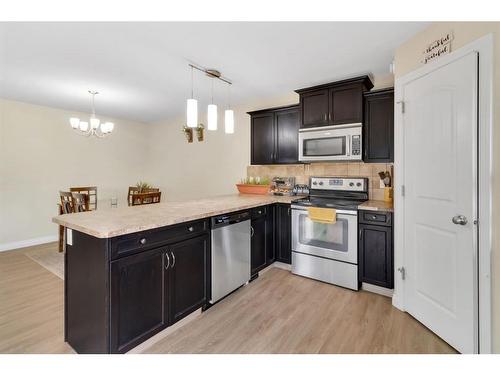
{"x":253,"y":189}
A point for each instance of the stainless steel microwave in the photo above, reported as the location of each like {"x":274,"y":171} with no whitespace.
{"x":331,"y":143}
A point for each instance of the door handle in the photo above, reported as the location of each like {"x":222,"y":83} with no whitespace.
{"x":252,"y":231}
{"x":173,"y":259}
{"x":459,"y":220}
{"x":168,"y":261}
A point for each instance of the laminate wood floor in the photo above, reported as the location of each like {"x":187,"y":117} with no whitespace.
{"x":277,"y":313}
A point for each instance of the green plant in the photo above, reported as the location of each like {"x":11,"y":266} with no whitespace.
{"x":142,"y":186}
{"x":255,"y":181}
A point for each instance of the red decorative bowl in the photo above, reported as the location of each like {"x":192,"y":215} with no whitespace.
{"x":253,"y":189}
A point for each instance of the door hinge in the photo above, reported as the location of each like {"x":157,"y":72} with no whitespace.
{"x":402,"y":106}
{"x":403,"y":191}
{"x":403,"y":272}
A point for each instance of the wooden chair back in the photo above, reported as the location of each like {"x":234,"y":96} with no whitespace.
{"x":80,"y":202}
{"x":145,"y":198}
{"x":91,"y":191}
{"x":66,"y":202}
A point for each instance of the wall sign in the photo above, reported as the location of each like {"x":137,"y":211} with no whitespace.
{"x":439,"y":47}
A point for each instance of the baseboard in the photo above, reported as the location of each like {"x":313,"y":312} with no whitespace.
{"x":283,"y":266}
{"x":167,"y":331}
{"x":27,"y":243}
{"x":377,"y":289}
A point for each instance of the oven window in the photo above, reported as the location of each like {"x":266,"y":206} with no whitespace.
{"x":327,"y":236}
{"x":334,"y":146}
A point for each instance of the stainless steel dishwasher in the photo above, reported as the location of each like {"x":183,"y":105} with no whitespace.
{"x":230,"y":253}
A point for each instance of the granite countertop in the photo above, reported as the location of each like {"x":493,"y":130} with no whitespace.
{"x":373,"y":205}
{"x":122,"y":220}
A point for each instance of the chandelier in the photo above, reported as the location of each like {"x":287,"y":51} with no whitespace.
{"x":93,"y":126}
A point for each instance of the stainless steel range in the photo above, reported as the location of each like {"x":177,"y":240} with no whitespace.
{"x":329,"y":251}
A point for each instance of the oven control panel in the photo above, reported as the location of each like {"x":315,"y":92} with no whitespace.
{"x":339,"y":183}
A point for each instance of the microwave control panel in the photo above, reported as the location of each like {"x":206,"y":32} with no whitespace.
{"x":356,"y":145}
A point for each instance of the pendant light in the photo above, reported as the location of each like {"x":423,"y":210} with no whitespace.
{"x":212,"y":111}
{"x":229,"y":114}
{"x":192,"y":107}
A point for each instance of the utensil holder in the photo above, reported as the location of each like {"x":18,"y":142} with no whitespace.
{"x":388,"y":194}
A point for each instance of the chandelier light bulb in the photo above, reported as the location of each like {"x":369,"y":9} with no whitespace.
{"x":94,"y":123}
{"x":74,"y":122}
{"x":84,"y":126}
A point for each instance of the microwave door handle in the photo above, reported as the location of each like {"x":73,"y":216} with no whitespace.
{"x":348,"y":146}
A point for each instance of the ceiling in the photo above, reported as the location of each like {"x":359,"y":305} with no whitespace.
{"x":141,"y":71}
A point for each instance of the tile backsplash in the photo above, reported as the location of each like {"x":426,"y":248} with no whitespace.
{"x":302,"y":172}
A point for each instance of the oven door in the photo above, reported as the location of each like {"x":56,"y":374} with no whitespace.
{"x":336,"y":241}
{"x":329,"y":143}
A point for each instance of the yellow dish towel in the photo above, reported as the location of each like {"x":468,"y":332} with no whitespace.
{"x":322,"y":215}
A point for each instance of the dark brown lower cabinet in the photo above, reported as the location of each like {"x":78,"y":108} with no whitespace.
{"x":376,"y":255}
{"x":139,"y":298}
{"x":283,"y":233}
{"x":188,"y":276}
{"x":153,"y":289}
{"x":262,"y":240}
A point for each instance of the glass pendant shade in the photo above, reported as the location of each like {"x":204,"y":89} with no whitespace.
{"x":212,"y":117}
{"x":107,"y":127}
{"x":229,"y":121}
{"x":84,"y":126}
{"x":94,"y":123}
{"x":74,"y":122}
{"x":192,"y":113}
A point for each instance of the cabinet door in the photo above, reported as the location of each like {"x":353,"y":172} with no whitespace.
{"x":188,"y":275}
{"x":270,"y":235}
{"x":314,"y":108}
{"x":378,"y":140}
{"x":262,"y":139}
{"x":346,"y":104}
{"x":287,"y":136}
{"x":283,"y":233}
{"x":258,"y":244}
{"x":375,"y":255}
{"x":138,"y":299}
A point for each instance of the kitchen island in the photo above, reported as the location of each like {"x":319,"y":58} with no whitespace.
{"x":131,"y":272}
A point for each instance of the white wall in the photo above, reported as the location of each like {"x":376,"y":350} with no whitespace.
{"x":40,"y":154}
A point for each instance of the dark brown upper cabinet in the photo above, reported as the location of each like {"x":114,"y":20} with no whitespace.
{"x":334,"y":103}
{"x":378,"y":132}
{"x":274,"y":135}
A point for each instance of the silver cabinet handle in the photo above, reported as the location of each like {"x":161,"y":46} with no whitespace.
{"x":251,"y":231}
{"x":459,"y":220}
{"x":143,"y":241}
{"x":168,"y":261}
{"x":324,"y":117}
{"x":190,"y":229}
{"x":173,"y":259}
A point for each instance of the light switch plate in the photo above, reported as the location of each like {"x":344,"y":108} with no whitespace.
{"x":69,"y":237}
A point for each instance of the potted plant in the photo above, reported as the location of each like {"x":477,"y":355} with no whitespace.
{"x":251,"y":185}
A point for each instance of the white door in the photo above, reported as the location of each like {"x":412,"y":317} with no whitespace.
{"x":440,"y":181}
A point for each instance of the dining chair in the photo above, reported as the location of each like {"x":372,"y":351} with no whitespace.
{"x":80,"y":202}
{"x":65,"y":207}
{"x":145,"y":198}
{"x":91,"y":191}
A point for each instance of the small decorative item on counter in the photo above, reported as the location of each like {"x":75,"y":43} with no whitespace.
{"x":251,"y":185}
{"x":386,"y":179}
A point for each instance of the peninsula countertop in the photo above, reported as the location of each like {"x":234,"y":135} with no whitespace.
{"x":123,"y":220}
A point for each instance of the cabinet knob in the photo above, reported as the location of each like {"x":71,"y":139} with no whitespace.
{"x":143,"y":241}
{"x":374,"y":217}
{"x":190,"y":229}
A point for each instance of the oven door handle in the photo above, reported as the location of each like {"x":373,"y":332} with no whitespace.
{"x":348,"y":145}
{"x":339,"y":212}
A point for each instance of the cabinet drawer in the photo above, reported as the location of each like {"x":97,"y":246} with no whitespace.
{"x":375,"y":217}
{"x":135,"y":242}
{"x":258,"y":212}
